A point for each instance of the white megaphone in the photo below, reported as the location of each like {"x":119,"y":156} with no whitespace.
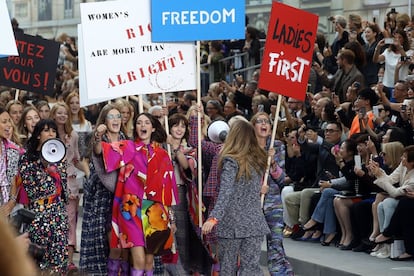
{"x":53,"y":150}
{"x":217,"y":131}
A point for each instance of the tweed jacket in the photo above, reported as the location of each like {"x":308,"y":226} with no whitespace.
{"x":13,"y":153}
{"x":238,"y":209}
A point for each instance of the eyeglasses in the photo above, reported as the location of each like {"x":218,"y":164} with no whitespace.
{"x":263,"y":121}
{"x":113,"y":116}
{"x":382,"y":154}
{"x":330,"y":130}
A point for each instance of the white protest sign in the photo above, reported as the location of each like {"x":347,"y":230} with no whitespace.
{"x":83,"y":95}
{"x":8,"y":43}
{"x":121,"y":60}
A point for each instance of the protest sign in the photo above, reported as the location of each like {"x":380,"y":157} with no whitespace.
{"x":8,"y":44}
{"x":121,"y":60}
{"x":34,"y":69}
{"x":190,"y":20}
{"x":287,"y":58}
{"x":83,"y":96}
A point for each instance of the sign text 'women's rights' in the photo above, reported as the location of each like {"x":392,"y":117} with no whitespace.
{"x":121,"y":60}
{"x":189,"y":20}
{"x":287,"y":58}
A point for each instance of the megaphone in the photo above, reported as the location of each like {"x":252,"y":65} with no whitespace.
{"x":53,"y":150}
{"x":217,"y":131}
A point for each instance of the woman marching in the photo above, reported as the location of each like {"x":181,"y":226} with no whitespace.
{"x":9,"y":159}
{"x":193,"y":256}
{"x":278,"y":263}
{"x":95,"y":256}
{"x":142,"y":219}
{"x":238,"y":215}
{"x":47,"y":194}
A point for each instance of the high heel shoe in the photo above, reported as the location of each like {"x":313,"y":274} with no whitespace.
{"x":325,"y":243}
{"x":328,"y":242}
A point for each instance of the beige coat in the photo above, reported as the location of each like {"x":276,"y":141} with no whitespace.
{"x":399,"y":175}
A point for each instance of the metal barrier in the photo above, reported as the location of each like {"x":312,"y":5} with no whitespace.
{"x":233,"y":59}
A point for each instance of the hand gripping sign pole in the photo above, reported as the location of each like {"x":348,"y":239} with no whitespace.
{"x":272,"y":141}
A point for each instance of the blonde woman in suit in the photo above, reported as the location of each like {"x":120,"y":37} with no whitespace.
{"x":238,"y":215}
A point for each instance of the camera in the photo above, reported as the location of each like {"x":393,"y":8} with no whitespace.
{"x":20,"y":219}
{"x":404,"y":58}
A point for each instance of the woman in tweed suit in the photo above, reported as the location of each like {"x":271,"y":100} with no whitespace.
{"x":240,"y":222}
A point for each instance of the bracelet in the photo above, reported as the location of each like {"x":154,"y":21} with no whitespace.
{"x":13,"y":198}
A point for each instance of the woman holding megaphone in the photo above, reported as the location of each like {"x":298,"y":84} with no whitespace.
{"x":45,"y":187}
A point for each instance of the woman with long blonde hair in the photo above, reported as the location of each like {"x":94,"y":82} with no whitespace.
{"x":391,"y":156}
{"x":238,"y":215}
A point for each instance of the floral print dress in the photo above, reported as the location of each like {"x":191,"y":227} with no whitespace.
{"x":146,"y":187}
{"x":46,"y":191}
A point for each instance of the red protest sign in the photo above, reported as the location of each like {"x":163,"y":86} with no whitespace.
{"x":287,"y":58}
{"x":34,"y":69}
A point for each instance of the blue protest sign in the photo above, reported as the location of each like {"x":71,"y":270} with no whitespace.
{"x":189,"y":20}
